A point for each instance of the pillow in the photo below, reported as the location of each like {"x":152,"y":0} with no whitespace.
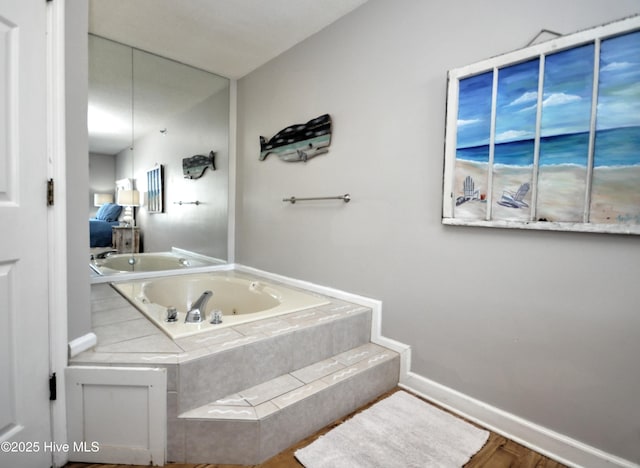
{"x":109,"y":212}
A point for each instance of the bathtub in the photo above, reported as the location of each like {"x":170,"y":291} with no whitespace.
{"x":158,"y":261}
{"x":240,"y":299}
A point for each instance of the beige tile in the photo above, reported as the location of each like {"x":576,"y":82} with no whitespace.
{"x":175,"y":431}
{"x":261,"y":326}
{"x":266,"y":409}
{"x":232,"y":442}
{"x":114,"y":333}
{"x":102,"y":290}
{"x":271,"y":389}
{"x":145,"y":358}
{"x":299,"y":394}
{"x":293,"y":423}
{"x":284,"y":328}
{"x":351,"y":331}
{"x":155,"y":343}
{"x":232,"y":400}
{"x":358,"y":354}
{"x":200,"y":382}
{"x":194,"y":354}
{"x":115,"y":315}
{"x":235,"y":342}
{"x":270,"y":357}
{"x":372,"y":360}
{"x":91,"y":357}
{"x":318,"y":370}
{"x":204,"y":340}
{"x":221,"y":412}
{"x":312,"y":344}
{"x":303,"y":316}
{"x":110,"y":302}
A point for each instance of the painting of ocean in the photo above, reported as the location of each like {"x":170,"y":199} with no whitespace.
{"x":566,"y":184}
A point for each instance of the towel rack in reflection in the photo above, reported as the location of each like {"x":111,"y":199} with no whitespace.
{"x":346,"y":198}
{"x":186,"y":202}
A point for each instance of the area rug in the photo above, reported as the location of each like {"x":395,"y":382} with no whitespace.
{"x":399,"y":431}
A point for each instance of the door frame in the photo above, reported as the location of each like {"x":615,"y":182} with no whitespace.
{"x":57,"y":219}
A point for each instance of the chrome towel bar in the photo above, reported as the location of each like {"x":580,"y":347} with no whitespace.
{"x":186,"y":202}
{"x":346,"y":198}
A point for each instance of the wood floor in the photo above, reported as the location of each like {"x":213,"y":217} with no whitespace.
{"x":498,"y":452}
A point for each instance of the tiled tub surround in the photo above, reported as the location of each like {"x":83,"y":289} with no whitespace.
{"x":244,"y":393}
{"x":239,"y":298}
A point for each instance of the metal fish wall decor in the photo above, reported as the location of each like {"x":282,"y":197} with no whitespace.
{"x":194,"y":167}
{"x":299,"y":142}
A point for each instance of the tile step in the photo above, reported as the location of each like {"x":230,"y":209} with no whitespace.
{"x":278,"y":413}
{"x":264,"y":399}
{"x":255,"y":358}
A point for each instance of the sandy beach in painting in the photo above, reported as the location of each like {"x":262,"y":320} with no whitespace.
{"x":615,"y":194}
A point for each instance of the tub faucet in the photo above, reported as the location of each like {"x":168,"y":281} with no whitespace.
{"x":106,"y":254}
{"x":197,"y":312}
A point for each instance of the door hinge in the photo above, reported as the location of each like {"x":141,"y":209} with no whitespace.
{"x":52,"y":387}
{"x":50,"y":200}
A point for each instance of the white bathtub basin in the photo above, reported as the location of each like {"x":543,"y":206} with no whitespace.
{"x":139,"y":262}
{"x":240,"y":299}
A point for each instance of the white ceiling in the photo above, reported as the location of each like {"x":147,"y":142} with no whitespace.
{"x":227,"y":37}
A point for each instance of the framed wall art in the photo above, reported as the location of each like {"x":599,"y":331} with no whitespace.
{"x":155,"y":190}
{"x":548,"y":137}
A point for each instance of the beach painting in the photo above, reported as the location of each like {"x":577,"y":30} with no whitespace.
{"x":552,"y":136}
{"x":615,"y":193}
{"x":472,"y":153}
{"x":564,"y":135}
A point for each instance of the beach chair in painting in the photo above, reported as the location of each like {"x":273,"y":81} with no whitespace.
{"x":515,"y":199}
{"x":469,"y":191}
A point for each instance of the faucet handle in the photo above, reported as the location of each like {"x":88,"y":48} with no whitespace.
{"x":216,"y":317}
{"x":172,"y":314}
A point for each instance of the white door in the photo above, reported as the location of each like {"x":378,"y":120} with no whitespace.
{"x":25,"y":431}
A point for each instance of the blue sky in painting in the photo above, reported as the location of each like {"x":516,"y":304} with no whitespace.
{"x":474,"y":110}
{"x":568,"y":85}
{"x":619,"y":86}
{"x":516,"y":103}
{"x":566,"y":105}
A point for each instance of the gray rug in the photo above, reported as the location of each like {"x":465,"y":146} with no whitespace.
{"x":399,"y":431}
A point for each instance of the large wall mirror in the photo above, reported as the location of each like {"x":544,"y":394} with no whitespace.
{"x":146,"y":114}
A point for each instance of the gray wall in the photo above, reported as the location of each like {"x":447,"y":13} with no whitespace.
{"x":201,"y":228}
{"x":543,"y":325}
{"x":77,"y":168}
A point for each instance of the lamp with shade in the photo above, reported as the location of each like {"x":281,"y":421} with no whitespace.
{"x":128,"y":199}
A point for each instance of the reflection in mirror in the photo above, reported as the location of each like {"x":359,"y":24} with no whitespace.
{"x":147,"y":114}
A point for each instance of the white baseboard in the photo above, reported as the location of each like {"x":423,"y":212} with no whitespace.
{"x":538,"y":438}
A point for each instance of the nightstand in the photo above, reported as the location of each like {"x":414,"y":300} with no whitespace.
{"x":125,"y":239}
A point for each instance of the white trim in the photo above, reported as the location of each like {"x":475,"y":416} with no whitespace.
{"x":547,"y":226}
{"x":57,"y":219}
{"x":545,"y":441}
{"x":82,"y":343}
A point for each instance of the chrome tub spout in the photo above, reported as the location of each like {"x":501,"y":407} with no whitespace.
{"x":197,"y":312}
